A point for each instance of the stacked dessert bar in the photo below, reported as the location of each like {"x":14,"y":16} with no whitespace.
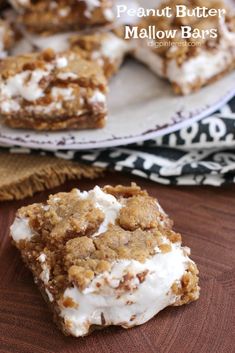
{"x":49,"y":91}
{"x":65,"y":88}
{"x":87,"y":31}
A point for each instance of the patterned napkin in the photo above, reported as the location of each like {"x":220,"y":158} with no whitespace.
{"x":202,"y":154}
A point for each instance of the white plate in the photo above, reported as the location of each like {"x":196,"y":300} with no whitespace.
{"x":141,"y":107}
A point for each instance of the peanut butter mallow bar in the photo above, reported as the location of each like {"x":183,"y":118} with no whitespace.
{"x":49,"y":91}
{"x":62,"y":15}
{"x":104,"y":48}
{"x":189,"y":63}
{"x":104,"y":257}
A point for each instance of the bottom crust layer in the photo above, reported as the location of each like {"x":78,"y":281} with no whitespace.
{"x":85,"y":121}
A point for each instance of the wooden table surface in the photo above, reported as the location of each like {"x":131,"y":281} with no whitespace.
{"x":205,"y":217}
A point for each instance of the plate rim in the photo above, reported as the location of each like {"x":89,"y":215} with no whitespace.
{"x":123,"y":141}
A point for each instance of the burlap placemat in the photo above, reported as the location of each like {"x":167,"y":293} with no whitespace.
{"x":24,"y":175}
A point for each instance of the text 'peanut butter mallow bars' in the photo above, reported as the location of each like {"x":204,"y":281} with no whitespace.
{"x":49,"y":91}
{"x":104,"y":257}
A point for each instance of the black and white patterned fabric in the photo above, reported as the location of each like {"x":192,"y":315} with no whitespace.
{"x":201,"y":154}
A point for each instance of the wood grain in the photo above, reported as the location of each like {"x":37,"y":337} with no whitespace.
{"x":205,"y":217}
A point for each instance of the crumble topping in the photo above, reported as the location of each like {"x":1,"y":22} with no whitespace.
{"x":185,"y":289}
{"x":106,"y":49}
{"x":140,"y":212}
{"x":92,"y":229}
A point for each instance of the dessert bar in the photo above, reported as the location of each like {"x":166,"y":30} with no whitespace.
{"x":49,"y":91}
{"x":104,"y":48}
{"x":104,"y":257}
{"x":193,"y":62}
{"x":61,"y":15}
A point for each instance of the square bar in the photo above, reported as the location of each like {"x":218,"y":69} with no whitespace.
{"x":189,"y":64}
{"x":104,"y":257}
{"x":49,"y":91}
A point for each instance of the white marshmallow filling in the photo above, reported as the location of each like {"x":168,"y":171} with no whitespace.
{"x":106,"y":304}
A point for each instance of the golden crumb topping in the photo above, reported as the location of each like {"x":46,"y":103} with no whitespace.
{"x":140,"y":212}
{"x":66,"y":229}
{"x":88,"y":74}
